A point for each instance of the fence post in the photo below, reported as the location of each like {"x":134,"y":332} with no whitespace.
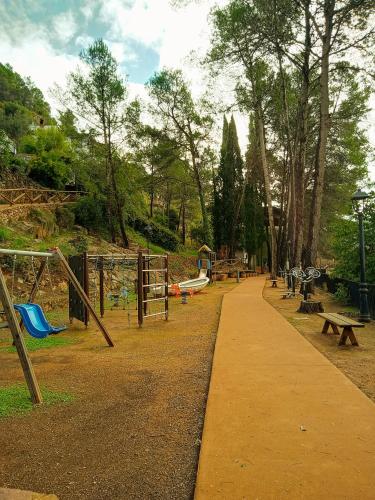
{"x":140,"y":288}
{"x":101,"y":285}
{"x":166,"y":278}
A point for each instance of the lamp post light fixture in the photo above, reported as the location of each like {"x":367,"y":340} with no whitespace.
{"x":359,"y":204}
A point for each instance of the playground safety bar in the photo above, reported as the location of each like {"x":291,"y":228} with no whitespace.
{"x":154,"y":270}
{"x":26,"y":253}
{"x":154,"y":300}
{"x":154,"y":284}
{"x":113,"y":256}
{"x":155,"y":314}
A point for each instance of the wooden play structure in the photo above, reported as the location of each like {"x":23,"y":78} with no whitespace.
{"x":15,"y":326}
{"x":110,"y":279}
{"x":206,"y":260}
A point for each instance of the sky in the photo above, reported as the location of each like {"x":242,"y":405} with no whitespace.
{"x":42,"y":39}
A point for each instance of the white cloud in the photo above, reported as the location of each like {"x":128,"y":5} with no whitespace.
{"x":65,"y":26}
{"x":84,"y":41}
{"x":87,"y":9}
{"x":36,"y":58}
{"x":143,"y":21}
{"x":121,"y":52}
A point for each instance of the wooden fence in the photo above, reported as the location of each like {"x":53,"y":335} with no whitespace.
{"x":227,"y":265}
{"x":37,"y":196}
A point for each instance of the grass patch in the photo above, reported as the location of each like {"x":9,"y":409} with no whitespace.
{"x":5,"y":234}
{"x":15,"y":400}
{"x":34,"y":344}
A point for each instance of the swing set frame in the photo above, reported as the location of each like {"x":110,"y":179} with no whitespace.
{"x":15,"y":326}
{"x":144,"y":265}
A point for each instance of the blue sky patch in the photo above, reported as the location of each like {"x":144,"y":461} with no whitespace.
{"x":67,"y":29}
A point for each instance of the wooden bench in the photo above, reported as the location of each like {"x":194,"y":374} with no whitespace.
{"x":274,"y":283}
{"x":289,"y":294}
{"x":337,"y":321}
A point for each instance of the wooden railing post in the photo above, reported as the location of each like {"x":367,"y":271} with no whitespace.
{"x":140,"y":288}
{"x":73,"y":279}
{"x":27,"y":367}
{"x":101,"y":285}
{"x":166,"y":278}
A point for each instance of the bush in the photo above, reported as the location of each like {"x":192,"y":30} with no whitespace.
{"x":90,"y":213}
{"x":156,"y":233}
{"x":80,"y":244}
{"x":65,"y":217}
{"x":46,"y":221}
{"x":198,"y":234}
{"x":48,"y":172}
{"x":341,"y":294}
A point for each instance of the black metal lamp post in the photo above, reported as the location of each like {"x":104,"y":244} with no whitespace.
{"x":359,"y":203}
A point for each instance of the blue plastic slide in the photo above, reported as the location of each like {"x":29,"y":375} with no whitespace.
{"x":35,"y":321}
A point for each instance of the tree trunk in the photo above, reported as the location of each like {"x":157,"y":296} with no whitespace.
{"x":114,"y":191}
{"x":183,"y":224}
{"x":205,"y":220}
{"x":288,"y":223}
{"x":324,"y":125}
{"x":301,"y":154}
{"x":267,"y":188}
{"x":118,"y":207}
{"x":152,"y":193}
{"x":179,"y":216}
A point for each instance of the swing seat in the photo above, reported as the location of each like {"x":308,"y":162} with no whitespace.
{"x":35,"y":321}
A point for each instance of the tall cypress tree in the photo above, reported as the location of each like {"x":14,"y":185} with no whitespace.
{"x":253,"y":212}
{"x":217,"y":212}
{"x":227,"y":194}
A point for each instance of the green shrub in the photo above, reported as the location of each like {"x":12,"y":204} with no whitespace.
{"x":198,"y":234}
{"x":341,"y":294}
{"x":90,"y":212}
{"x":42,"y":216}
{"x":80,"y":244}
{"x":156,"y":233}
{"x":65,"y":217}
{"x":46,"y":221}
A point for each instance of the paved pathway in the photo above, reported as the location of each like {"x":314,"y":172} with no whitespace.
{"x":282,"y":422}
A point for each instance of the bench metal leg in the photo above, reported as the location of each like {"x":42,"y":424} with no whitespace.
{"x":348,"y":332}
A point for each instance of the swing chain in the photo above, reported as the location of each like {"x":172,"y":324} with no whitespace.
{"x":53,"y":295}
{"x":13,"y":276}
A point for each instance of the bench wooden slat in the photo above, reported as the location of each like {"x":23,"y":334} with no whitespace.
{"x":340,"y":320}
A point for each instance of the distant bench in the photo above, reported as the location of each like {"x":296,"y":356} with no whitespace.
{"x":337,"y":321}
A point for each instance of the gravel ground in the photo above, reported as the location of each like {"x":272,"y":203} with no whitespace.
{"x":134,"y":428}
{"x":358,"y":363}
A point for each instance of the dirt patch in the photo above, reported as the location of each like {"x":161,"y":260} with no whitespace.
{"x":358,"y":363}
{"x":133,"y":431}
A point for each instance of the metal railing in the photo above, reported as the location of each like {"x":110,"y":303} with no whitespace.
{"x":352,"y":287}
